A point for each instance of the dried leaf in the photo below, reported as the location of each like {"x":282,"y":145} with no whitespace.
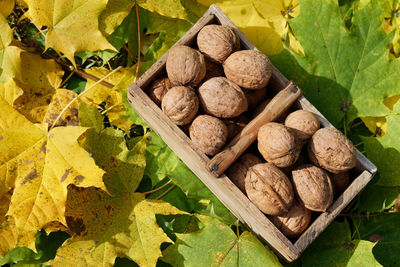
{"x":60,"y":100}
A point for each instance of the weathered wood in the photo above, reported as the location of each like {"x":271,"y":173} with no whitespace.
{"x":327,"y":217}
{"x":222,"y":187}
{"x":243,"y":140}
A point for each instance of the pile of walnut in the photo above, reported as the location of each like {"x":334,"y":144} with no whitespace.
{"x":209,"y":90}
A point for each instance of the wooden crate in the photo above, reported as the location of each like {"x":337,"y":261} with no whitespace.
{"x":222,"y":187}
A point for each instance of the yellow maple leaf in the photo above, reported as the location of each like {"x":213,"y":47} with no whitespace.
{"x":167,"y":8}
{"x":39,"y":165}
{"x":60,"y":100}
{"x":6,"y":7}
{"x":7,"y":230}
{"x":121,"y":224}
{"x":112,"y":97}
{"x":115,"y":12}
{"x":263,"y":22}
{"x":72,"y":25}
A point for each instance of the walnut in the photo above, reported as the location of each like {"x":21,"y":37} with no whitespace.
{"x":185,"y":65}
{"x":269,"y":189}
{"x":255,"y":96}
{"x":237,"y":172}
{"x":217,"y":41}
{"x":159,"y":88}
{"x":313,"y":187}
{"x":208,"y":133}
{"x":340,"y":181}
{"x":249,"y":69}
{"x":303,"y":123}
{"x":278,"y":144}
{"x":213,"y":70}
{"x":222,"y":98}
{"x":331,"y":150}
{"x":180,"y":104}
{"x":294,"y":222}
{"x":235,"y":125}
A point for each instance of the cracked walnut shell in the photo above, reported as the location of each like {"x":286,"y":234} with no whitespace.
{"x":278,"y":144}
{"x":294,"y":222}
{"x":217,"y":41}
{"x":208,"y":133}
{"x":222,"y":98}
{"x":313,"y":187}
{"x":185,"y":65}
{"x":249,"y":69}
{"x":180,"y":104}
{"x":331,"y":150}
{"x":269,"y":189}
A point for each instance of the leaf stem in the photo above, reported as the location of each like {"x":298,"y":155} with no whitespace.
{"x":138,"y":31}
{"x":129,"y":52}
{"x":85,"y":91}
{"x":166,"y":192}
{"x":158,"y":188}
{"x":66,"y":80}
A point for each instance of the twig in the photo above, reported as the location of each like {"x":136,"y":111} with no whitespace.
{"x":40,"y":32}
{"x":129,"y":52}
{"x":138,"y":31}
{"x":166,"y":192}
{"x":66,"y":80}
{"x":158,"y":188}
{"x":85,"y":91}
{"x":20,"y":7}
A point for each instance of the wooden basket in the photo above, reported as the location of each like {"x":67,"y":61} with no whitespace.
{"x":222,"y":187}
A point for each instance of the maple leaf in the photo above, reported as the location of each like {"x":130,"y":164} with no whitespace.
{"x":72,"y":25}
{"x":335,"y":247}
{"x":39,"y":165}
{"x":266,"y":25}
{"x":227,"y":248}
{"x":7,"y":229}
{"x":120,"y":224}
{"x":167,"y":8}
{"x":112,"y":97}
{"x":6,"y":7}
{"x":60,"y":100}
{"x":113,"y":15}
{"x":344,"y":74}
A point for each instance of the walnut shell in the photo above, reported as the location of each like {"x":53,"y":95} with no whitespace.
{"x":237,"y":172}
{"x":208,"y":133}
{"x":340,"y":181}
{"x":159,"y":88}
{"x":269,"y":189}
{"x":255,"y":96}
{"x":222,"y":98}
{"x":185,"y":65}
{"x":213,"y":70}
{"x":217,"y":41}
{"x":278,"y":144}
{"x":249,"y":69}
{"x":294,"y":222}
{"x":180,"y":104}
{"x":303,"y":123}
{"x":331,"y":150}
{"x":313,"y":187}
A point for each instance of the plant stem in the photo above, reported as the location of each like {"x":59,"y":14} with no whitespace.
{"x":158,"y":188}
{"x":138,"y":31}
{"x":166,"y":192}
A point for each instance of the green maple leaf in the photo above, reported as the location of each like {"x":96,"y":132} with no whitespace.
{"x":335,"y":247}
{"x":345,"y":73}
{"x":227,"y":248}
{"x":385,"y":229}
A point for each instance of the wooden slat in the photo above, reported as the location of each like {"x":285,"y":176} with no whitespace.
{"x":222,"y":187}
{"x":327,"y":217}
